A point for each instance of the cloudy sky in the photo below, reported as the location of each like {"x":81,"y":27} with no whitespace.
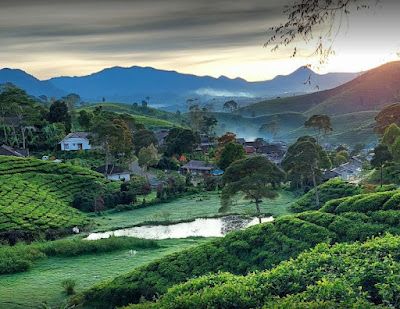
{"x":205,"y":37}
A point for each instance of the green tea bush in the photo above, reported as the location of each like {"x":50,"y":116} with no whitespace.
{"x":332,"y":189}
{"x":359,"y":275}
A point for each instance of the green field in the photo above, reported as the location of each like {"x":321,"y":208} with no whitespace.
{"x":35,"y":195}
{"x":42,"y":283}
{"x":150,"y":117}
{"x":204,"y":204}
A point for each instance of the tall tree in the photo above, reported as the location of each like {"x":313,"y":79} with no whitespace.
{"x":59,"y":113}
{"x":256,"y":177}
{"x":148,"y":156}
{"x":144,"y":138}
{"x":381,"y":157}
{"x":232,"y":105}
{"x":180,"y":140}
{"x":229,"y":154}
{"x":85,"y":119}
{"x":306,"y":159}
{"x":320,"y":123}
{"x":392,"y":132}
{"x":271,"y":127}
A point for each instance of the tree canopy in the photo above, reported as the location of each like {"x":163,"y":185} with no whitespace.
{"x":229,"y":154}
{"x":256,"y":177}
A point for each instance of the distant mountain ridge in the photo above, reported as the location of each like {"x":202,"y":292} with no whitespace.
{"x":31,"y":84}
{"x":167,"y":88}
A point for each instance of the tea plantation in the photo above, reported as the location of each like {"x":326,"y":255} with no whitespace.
{"x":35,"y":195}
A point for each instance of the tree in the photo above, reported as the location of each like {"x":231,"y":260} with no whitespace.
{"x":304,"y":17}
{"x":304,"y":159}
{"x":386,"y":117}
{"x":225,"y":139}
{"x":229,"y":154}
{"x":341,"y":157}
{"x":180,"y":140}
{"x":148,"y":156}
{"x":392,"y":132}
{"x":232,"y":105}
{"x":208,"y":124}
{"x":256,"y":177}
{"x":271,"y":127}
{"x":320,"y":123}
{"x":85,"y":119}
{"x":381,"y":157}
{"x":59,"y":113}
{"x":144,"y":138}
{"x":357,"y":149}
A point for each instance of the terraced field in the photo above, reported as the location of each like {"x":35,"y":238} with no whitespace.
{"x":35,"y":195}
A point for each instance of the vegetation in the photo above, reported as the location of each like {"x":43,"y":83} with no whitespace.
{"x":256,"y":177}
{"x":330,"y":190}
{"x":359,"y":275}
{"x":21,"y":257}
{"x":35,"y":197}
{"x":257,"y":248}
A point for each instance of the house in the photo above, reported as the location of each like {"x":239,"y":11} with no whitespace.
{"x":114,"y":172}
{"x":8,"y":151}
{"x":197,"y":167}
{"x":204,"y":147}
{"x":76,"y":141}
{"x":274,"y":152}
{"x":241,"y":141}
{"x":346,"y":170}
{"x":162,"y":137}
{"x":250,"y":150}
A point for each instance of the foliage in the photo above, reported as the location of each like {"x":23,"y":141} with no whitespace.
{"x":359,"y":275}
{"x":330,"y":190}
{"x":35,"y":197}
{"x":387,"y":116}
{"x":69,"y":286}
{"x":392,"y":132}
{"x":144,"y":138}
{"x":305,"y":159}
{"x":256,"y":177}
{"x":59,"y":113}
{"x":148,"y":156}
{"x":229,"y":154}
{"x":181,"y":140}
{"x":381,"y":157}
{"x":320,"y":123}
{"x":21,"y":257}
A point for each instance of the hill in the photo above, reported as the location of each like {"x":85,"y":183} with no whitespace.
{"x":30,"y":84}
{"x":148,"y":116}
{"x":359,"y":275}
{"x":167,"y":88}
{"x":369,"y":92}
{"x":35,"y":196}
{"x":261,"y":247}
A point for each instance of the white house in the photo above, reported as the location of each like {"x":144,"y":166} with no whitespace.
{"x":114,"y":172}
{"x":76,"y":141}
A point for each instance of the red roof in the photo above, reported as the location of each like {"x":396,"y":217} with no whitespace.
{"x":250,"y":149}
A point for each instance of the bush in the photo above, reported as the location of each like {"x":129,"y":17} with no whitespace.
{"x":69,"y":286}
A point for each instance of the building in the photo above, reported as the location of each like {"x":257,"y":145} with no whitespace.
{"x":197,"y":168}
{"x":114,"y":172}
{"x":274,"y":152}
{"x":76,"y":141}
{"x":250,"y":150}
{"x":162,"y":137}
{"x":9,"y":151}
{"x":346,"y":170}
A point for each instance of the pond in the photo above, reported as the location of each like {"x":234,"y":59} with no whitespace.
{"x":202,"y":227}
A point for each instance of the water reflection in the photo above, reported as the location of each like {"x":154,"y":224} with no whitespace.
{"x":212,"y":227}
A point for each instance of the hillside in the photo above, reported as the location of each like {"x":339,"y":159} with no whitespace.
{"x":30,"y":83}
{"x":148,"y":116}
{"x":359,"y":275}
{"x":261,"y":247}
{"x":167,"y":88}
{"x":370,"y":91}
{"x":35,"y":195}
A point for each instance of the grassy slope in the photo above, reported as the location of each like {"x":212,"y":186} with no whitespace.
{"x":360,"y":275}
{"x":150,"y":117}
{"x":259,"y":247}
{"x":200,"y":205}
{"x":42,"y":283}
{"x":35,"y":195}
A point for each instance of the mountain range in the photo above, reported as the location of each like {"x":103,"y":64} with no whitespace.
{"x":170,"y":88}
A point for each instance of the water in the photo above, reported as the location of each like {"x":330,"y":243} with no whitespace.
{"x":207,"y":227}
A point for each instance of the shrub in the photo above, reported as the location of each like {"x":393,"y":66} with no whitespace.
{"x":69,"y":286}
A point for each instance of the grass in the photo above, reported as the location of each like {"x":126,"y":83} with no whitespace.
{"x":204,"y":204}
{"x":43,"y":283}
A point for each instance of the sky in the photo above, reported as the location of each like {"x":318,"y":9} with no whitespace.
{"x":49,"y":38}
